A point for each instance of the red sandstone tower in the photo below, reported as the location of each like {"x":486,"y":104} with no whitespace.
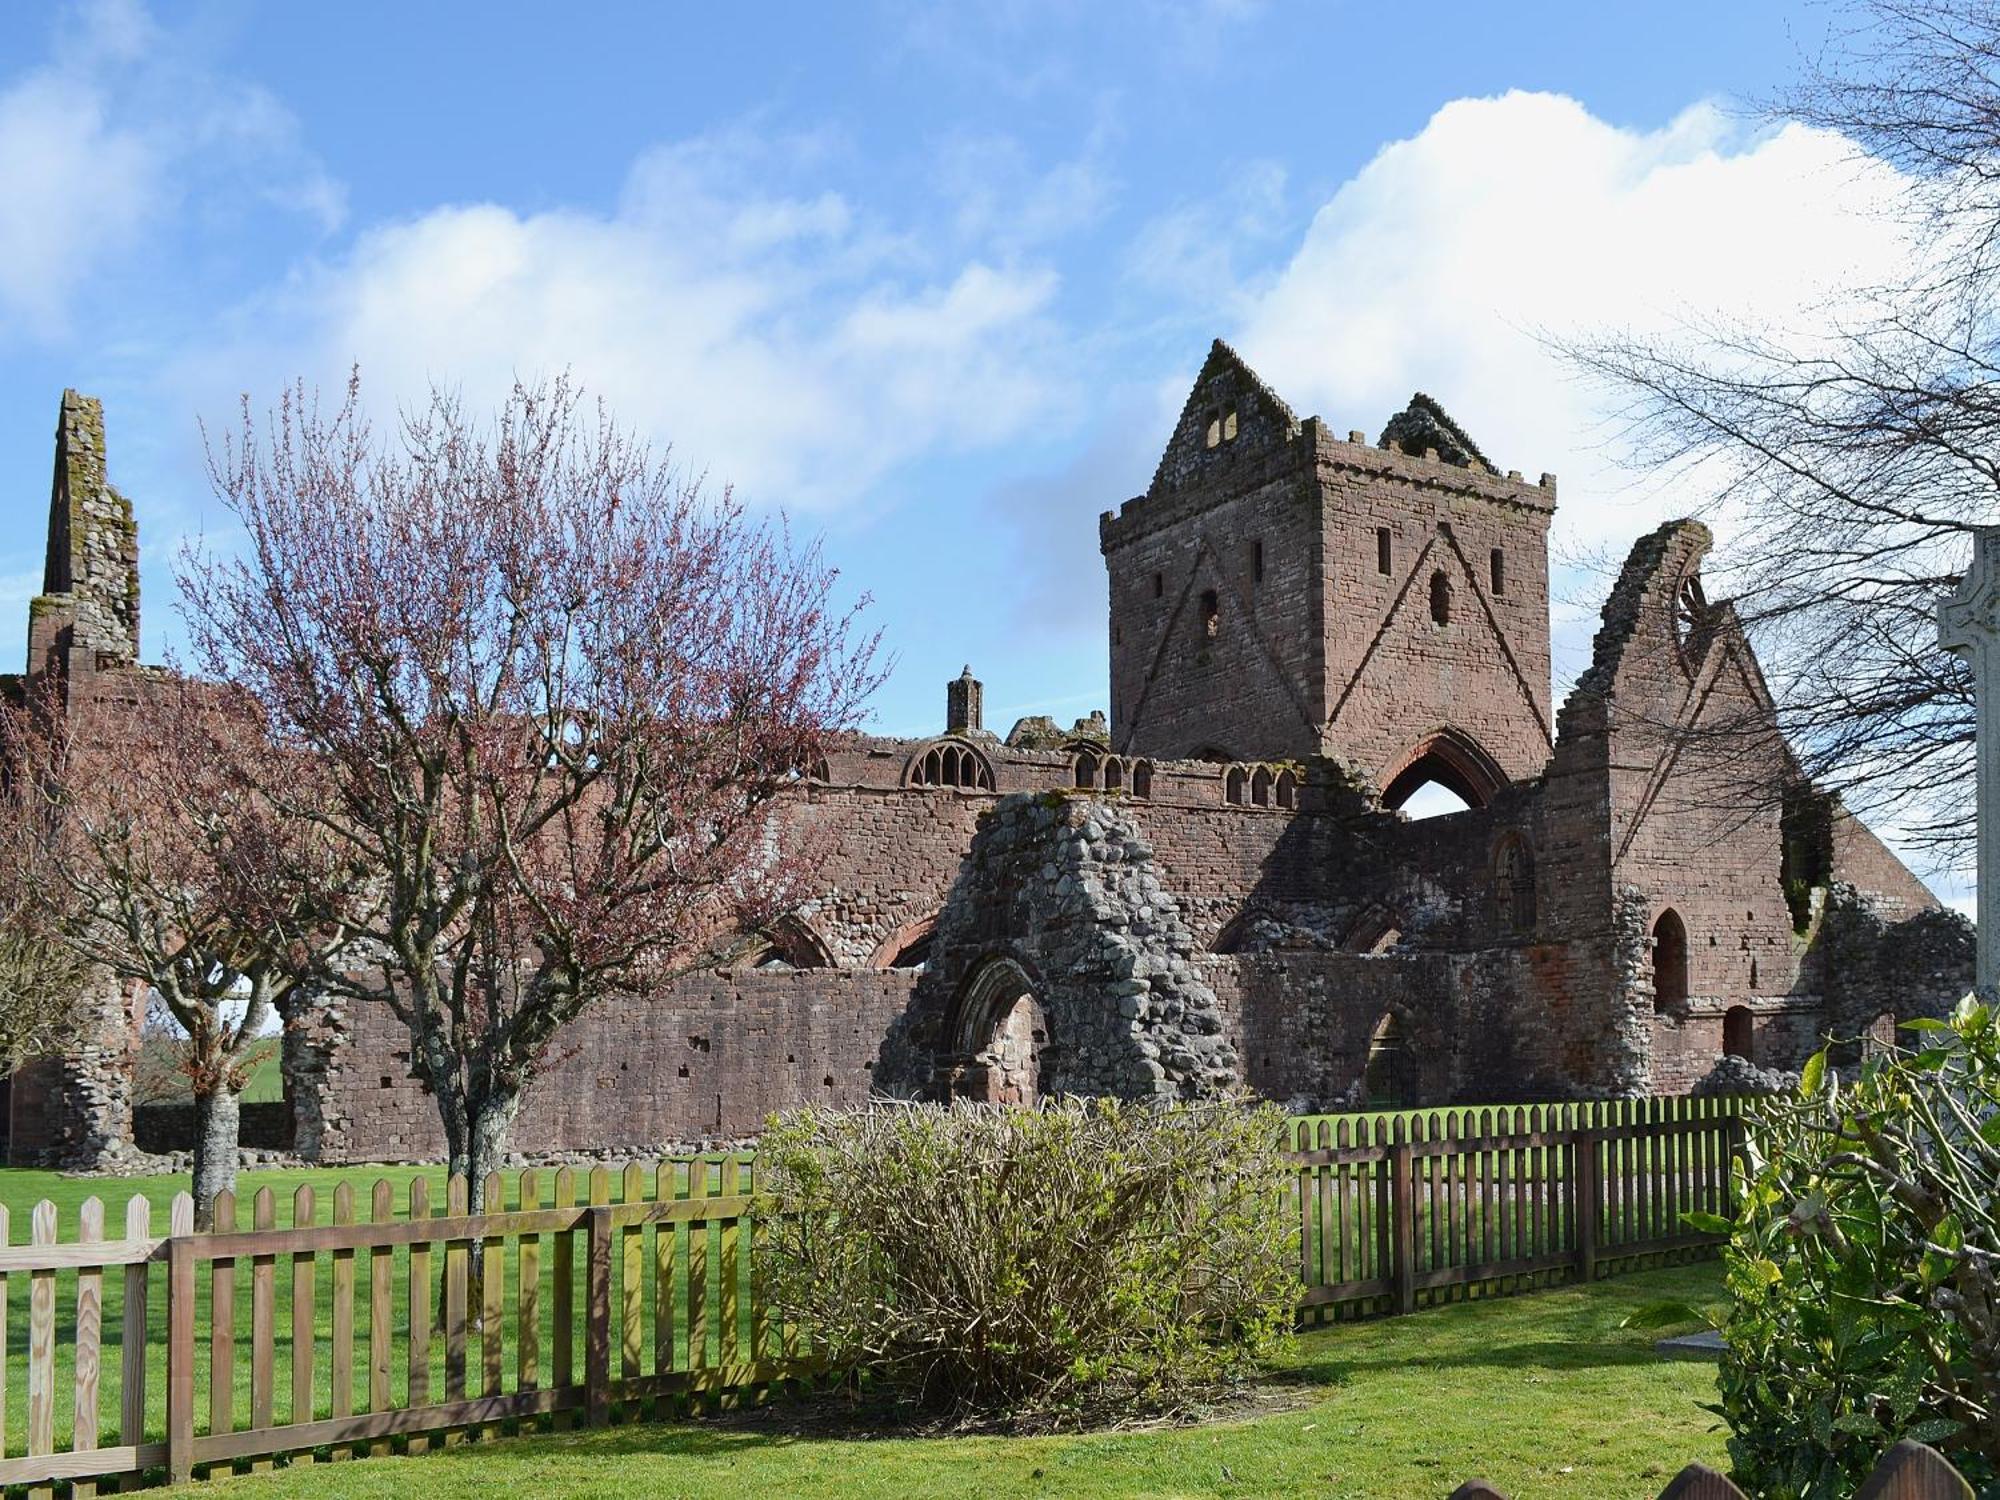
{"x":1278,"y":592}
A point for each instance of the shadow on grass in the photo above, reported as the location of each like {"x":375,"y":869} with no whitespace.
{"x":1539,"y":1354}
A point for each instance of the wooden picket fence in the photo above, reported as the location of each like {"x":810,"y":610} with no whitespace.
{"x":1401,"y":1211}
{"x":1908,"y":1471}
{"x":597,"y":1297}
{"x":406,"y":1326}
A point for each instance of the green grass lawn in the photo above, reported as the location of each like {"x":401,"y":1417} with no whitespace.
{"x":1544,"y":1395}
{"x":20,"y":1189}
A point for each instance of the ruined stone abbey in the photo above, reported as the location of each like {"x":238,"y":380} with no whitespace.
{"x":1214,"y":888}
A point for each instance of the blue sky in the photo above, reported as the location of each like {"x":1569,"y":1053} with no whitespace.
{"x":932,"y":278}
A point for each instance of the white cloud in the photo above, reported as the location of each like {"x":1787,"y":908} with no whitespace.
{"x":78,"y":188}
{"x":779,"y":339}
{"x":107,"y":138}
{"x":1439,"y":265}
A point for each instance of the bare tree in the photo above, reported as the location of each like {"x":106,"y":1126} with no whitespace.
{"x":560,"y":697}
{"x":1853,"y":458}
{"x":41,"y":978}
{"x":150,"y":853}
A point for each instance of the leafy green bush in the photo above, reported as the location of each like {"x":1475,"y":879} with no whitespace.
{"x":1076,"y":1262}
{"x":1862,"y":1268}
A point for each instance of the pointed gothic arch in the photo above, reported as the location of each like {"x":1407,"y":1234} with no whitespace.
{"x":1084,"y":767}
{"x":949,"y":763}
{"x":1376,"y":930}
{"x":1451,"y":758}
{"x":1388,"y":1077}
{"x":998,"y":1033}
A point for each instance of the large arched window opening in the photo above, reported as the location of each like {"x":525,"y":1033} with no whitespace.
{"x":1449,"y":769}
{"x":1670,"y":962}
{"x":1739,"y":1033}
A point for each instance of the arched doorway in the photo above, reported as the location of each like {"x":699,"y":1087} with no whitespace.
{"x":1387,"y":1079}
{"x":1670,"y":962}
{"x":1000,"y":1038}
{"x":1739,"y":1033}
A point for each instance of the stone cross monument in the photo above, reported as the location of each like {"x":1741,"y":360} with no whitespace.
{"x":1969,"y":623}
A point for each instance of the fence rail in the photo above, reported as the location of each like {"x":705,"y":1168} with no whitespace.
{"x":581,"y":1297}
{"x":1398,"y":1212}
{"x":575,"y":1297}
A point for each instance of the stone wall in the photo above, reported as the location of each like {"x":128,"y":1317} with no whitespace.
{"x":1061,"y":898}
{"x":75,"y":1110}
{"x":1877,"y":969}
{"x":707,"y":1058}
{"x":1216,"y":645}
{"x":266,"y":1125}
{"x":1395,"y":672}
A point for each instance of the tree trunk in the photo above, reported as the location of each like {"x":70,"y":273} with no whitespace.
{"x":217,"y":1132}
{"x":489,"y":1123}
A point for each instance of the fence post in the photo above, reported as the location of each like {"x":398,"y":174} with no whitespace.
{"x":1403,"y":1205}
{"x":1585,"y":1194}
{"x":180,"y":1359}
{"x":597,"y":1318}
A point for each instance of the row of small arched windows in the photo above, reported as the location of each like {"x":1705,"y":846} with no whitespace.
{"x":949,"y":763}
{"x":1092,"y":771}
{"x":1260,"y":786}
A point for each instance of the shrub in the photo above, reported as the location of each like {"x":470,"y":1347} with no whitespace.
{"x":1077,"y":1262}
{"x":1862,"y":1268}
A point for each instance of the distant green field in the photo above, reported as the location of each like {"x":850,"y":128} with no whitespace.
{"x":267,"y":1080}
